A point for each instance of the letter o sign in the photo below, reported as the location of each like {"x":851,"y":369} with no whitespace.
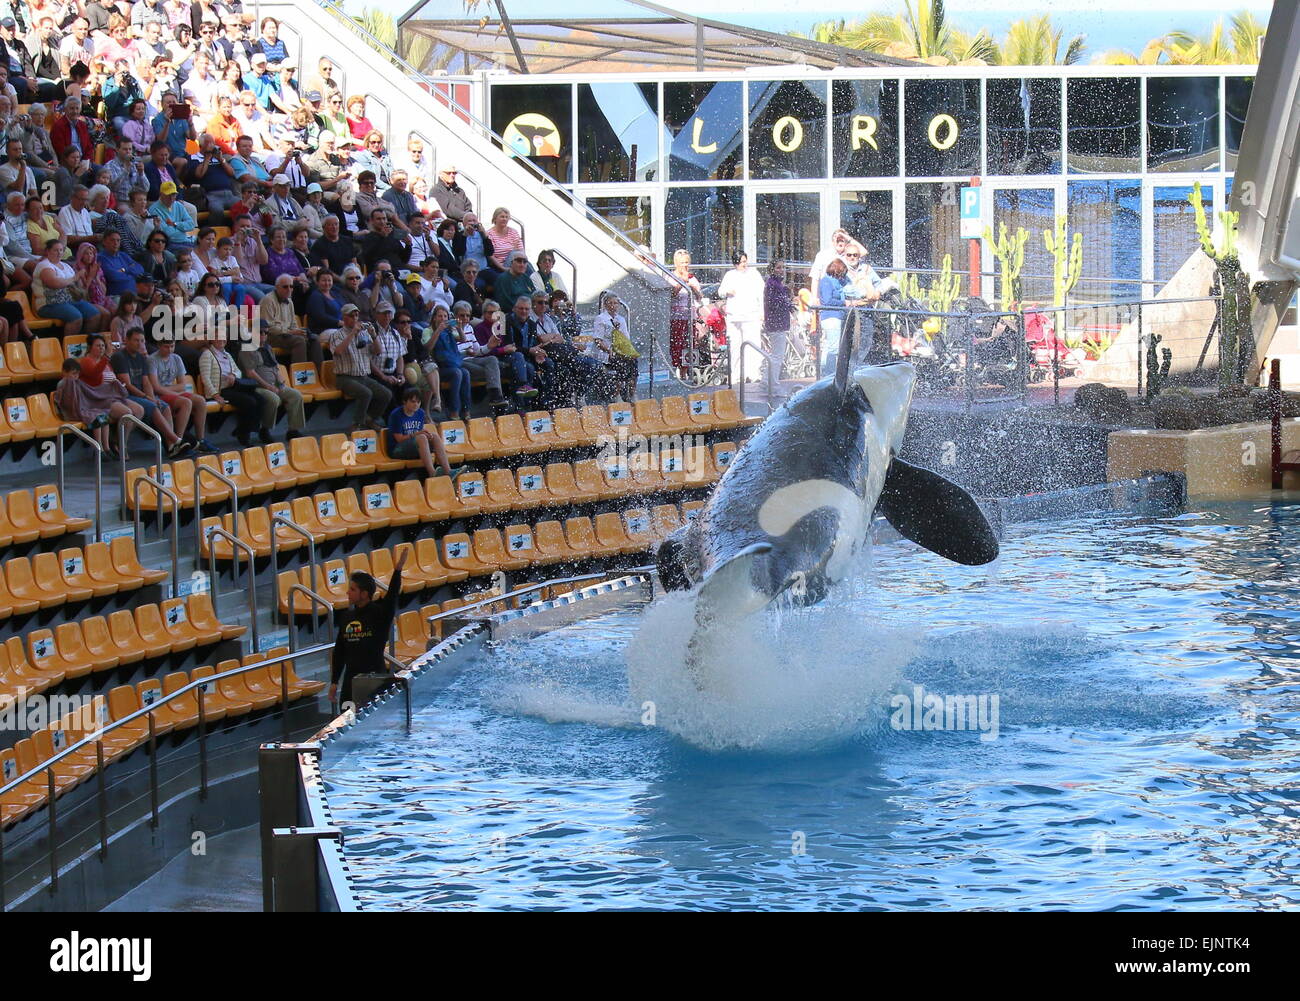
{"x":949,"y":126}
{"x":787,"y":134}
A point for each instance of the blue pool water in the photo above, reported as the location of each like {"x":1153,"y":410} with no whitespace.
{"x":1145,"y":754}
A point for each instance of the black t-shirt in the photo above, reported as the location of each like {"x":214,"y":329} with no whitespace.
{"x":363,"y":634}
{"x":376,"y":248}
{"x":335,"y":255}
{"x":131,"y":368}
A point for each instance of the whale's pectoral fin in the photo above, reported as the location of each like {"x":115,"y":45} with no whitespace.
{"x":728,"y":591}
{"x":936,"y":514}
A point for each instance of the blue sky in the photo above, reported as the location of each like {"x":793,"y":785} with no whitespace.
{"x":1107,"y":24}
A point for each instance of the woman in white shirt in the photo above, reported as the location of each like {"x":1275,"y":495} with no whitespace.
{"x":742,"y":290}
{"x":52,"y":282}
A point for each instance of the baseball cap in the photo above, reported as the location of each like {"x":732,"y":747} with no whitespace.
{"x":145,"y":280}
{"x":8,"y":22}
{"x":280,"y":179}
{"x":167,"y":188}
{"x":384,"y":306}
{"x":448,"y":168}
{"x":258,"y":57}
{"x":312,"y":95}
{"x":350,"y":307}
{"x":413,"y":279}
{"x":313,"y":188}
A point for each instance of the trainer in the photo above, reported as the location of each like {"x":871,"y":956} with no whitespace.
{"x":363,"y":631}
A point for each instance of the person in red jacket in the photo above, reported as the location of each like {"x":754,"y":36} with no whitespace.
{"x":68,"y":123}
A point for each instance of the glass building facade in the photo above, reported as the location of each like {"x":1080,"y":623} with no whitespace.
{"x":716,"y":163}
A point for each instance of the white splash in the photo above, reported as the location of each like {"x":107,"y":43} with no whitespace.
{"x":793,"y":680}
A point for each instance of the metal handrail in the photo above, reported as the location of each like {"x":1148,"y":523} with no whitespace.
{"x":530,"y":588}
{"x":123,"y":430}
{"x":301,"y":588}
{"x":199,"y":470}
{"x":770,"y":366}
{"x":146,"y":480}
{"x":217,"y":532}
{"x":573,"y":295}
{"x":99,"y":472}
{"x":97,"y":736}
{"x":289,"y":523}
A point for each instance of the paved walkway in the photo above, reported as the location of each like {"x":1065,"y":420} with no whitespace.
{"x":227,"y":878}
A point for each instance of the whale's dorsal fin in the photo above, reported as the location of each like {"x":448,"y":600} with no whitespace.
{"x":936,"y":514}
{"x":844,"y":360}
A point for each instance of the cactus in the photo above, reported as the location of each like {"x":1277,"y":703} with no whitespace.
{"x":1236,"y":344}
{"x":1156,"y":373}
{"x":946,"y":288}
{"x":1010,"y":252}
{"x":1067,"y":266}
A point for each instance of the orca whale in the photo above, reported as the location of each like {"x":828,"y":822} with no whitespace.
{"x":796,"y":503}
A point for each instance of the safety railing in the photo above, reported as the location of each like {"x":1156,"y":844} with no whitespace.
{"x":123,"y":432}
{"x":145,"y":480}
{"x":220,"y":477}
{"x":315,"y":600}
{"x":293,"y":526}
{"x":238,"y":545}
{"x":99,"y":473}
{"x":464,"y":610}
{"x":96,"y":740}
{"x":769,"y":366}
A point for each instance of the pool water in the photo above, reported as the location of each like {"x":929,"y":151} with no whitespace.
{"x":1141,"y":753}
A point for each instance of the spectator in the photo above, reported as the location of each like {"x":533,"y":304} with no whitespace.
{"x":120,"y":271}
{"x":176,"y":132}
{"x":38,"y":146}
{"x":159,"y":170}
{"x":76,"y":47}
{"x":348,"y":292}
{"x":472,"y":244}
{"x":285,"y":210}
{"x":302,"y":129}
{"x":408,"y":438}
{"x":90,"y":282}
{"x":335,"y":120}
{"x":261,"y":81}
{"x":327,"y":166}
{"x":612,"y":345}
{"x":221,"y":381}
{"x":445,"y":233}
{"x":352,"y":220}
{"x":260,"y":366}
{"x":131,"y":366}
{"x":187,"y":274}
{"x":270,"y":44}
{"x":42,"y":227}
{"x":206,"y":31}
{"x":450,"y":197}
{"x":22,"y":71}
{"x":125,"y":172}
{"x":382,"y":243}
{"x":167,"y":377}
{"x":279,"y":324}
{"x":681,"y":322}
{"x":333,"y":250}
{"x":544,"y":278}
{"x":15,"y":175}
{"x":374,"y":157}
{"x":358,"y":124}
{"x":353,"y":346}
{"x":200,"y":93}
{"x":137,"y":221}
{"x":505,"y":239}
{"x":314,"y":212}
{"x":214,"y":174}
{"x":576,"y":374}
{"x":158,"y":262}
{"x":446,"y":350}
{"x":832,"y":300}
{"x":401,"y":199}
{"x":53,"y":282}
{"x":778,"y":309}
{"x":323,"y":310}
{"x":434,"y":288}
{"x":387,"y":363}
{"x":466,"y":289}
{"x":74,"y":219}
{"x":234,"y":44}
{"x":226,"y":266}
{"x":97,"y":402}
{"x":742,"y":290}
{"x":285,"y":98}
{"x":477,"y":358}
{"x":520,"y":344}
{"x":73,"y":170}
{"x":424,"y":203}
{"x":251,"y":254}
{"x":246,"y":165}
{"x":70,"y":129}
{"x":253,"y":121}
{"x":126,"y":319}
{"x":175,"y":218}
{"x":224,"y":127}
{"x":281,"y":260}
{"x":324,"y":80}
{"x":47,"y":59}
{"x":515,"y":282}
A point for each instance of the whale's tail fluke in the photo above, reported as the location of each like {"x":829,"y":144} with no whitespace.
{"x":937,"y":515}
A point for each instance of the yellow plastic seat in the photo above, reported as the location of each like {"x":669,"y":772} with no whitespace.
{"x":17,"y":364}
{"x":455,"y":438}
{"x":412,"y":638}
{"x":490,"y":549}
{"x":432,"y":568}
{"x":352,"y":510}
{"x":239,"y":700}
{"x":378,"y":502}
{"x":674,"y":413}
{"x":157,"y":640}
{"x":382,"y":563}
{"x":519,"y":544}
{"x":127,"y":563}
{"x":647,"y":418}
{"x":338,"y":454}
{"x":24,"y":587}
{"x":529,"y":488}
{"x":727,"y":412}
{"x":216,"y":705}
{"x":47,"y":357}
{"x":482,"y":434}
{"x":19,"y":528}
{"x":369,"y":447}
{"x":664,"y":520}
{"x":590,"y":483}
{"x":539,"y":426}
{"x":46,"y":657}
{"x":330,"y":390}
{"x":150,"y":692}
{"x":458,"y":554}
{"x":232,"y":465}
{"x":582,"y":538}
{"x":568,"y":430}
{"x":639,"y":530}
{"x":18,"y":417}
{"x":612,"y":536}
{"x":440,"y":494}
{"x":48,"y":571}
{"x":305,"y":456}
{"x":71,"y":641}
{"x":721,"y":455}
{"x":503,"y":494}
{"x":514,"y":441}
{"x":204,"y":618}
{"x":49,"y":510}
{"x":102,"y":645}
{"x":304,"y":378}
{"x":595,"y":424}
{"x":410,"y":499}
{"x":552,"y":546}
{"x":43,"y":417}
{"x":471,"y":495}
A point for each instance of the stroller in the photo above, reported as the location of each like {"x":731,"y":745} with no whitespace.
{"x":1044,"y":346}
{"x":708,"y":363}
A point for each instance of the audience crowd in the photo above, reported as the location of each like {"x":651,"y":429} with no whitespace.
{"x":168,"y":166}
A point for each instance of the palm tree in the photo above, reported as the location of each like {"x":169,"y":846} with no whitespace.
{"x":921,"y":32}
{"x":1035,"y":42}
{"x":826,"y":32}
{"x":1239,"y":45}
